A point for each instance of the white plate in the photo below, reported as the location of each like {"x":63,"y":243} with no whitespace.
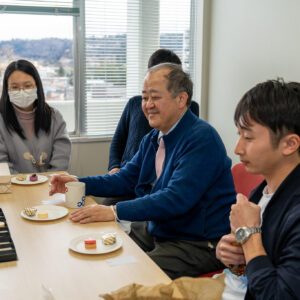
{"x":54,"y":212}
{"x":41,"y":179}
{"x":77,"y":244}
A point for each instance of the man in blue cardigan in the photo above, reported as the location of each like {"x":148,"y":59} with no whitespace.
{"x":180,"y":215}
{"x":133,"y":125}
{"x":268,"y":226}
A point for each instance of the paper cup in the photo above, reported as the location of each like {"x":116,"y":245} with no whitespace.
{"x":75,"y":194}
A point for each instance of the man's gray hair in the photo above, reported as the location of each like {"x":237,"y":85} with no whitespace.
{"x":178,"y":80}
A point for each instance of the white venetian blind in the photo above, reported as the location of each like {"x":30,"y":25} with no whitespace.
{"x":120,"y":36}
{"x":175,"y":29}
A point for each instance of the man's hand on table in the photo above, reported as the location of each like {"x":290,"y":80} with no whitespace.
{"x":58,"y":183}
{"x":93,"y":213}
{"x":227,"y":253}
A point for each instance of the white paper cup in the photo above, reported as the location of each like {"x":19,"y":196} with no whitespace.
{"x":75,"y":194}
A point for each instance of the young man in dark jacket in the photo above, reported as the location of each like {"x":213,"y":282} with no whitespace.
{"x":268,"y":226}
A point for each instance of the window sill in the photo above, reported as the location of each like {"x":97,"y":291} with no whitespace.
{"x":78,"y":140}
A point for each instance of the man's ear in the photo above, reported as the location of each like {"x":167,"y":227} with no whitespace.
{"x":183,"y":97}
{"x":291,"y":144}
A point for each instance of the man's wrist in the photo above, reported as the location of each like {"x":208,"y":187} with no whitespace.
{"x":253,"y":247}
{"x":114,"y":210}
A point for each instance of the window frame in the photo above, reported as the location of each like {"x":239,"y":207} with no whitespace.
{"x":78,"y":14}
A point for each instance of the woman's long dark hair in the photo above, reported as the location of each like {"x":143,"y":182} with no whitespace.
{"x":43,"y":111}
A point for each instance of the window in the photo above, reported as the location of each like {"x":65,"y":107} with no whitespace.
{"x":42,"y":32}
{"x":92,"y":55}
{"x":120,"y":36}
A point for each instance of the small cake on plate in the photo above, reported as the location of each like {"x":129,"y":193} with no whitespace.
{"x":90,"y":244}
{"x":42,"y":215}
{"x":21,"y":177}
{"x":109,"y":238}
{"x":33,"y":177}
{"x":30,"y":211}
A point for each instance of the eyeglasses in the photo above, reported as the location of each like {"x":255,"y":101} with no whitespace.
{"x":16,"y":88}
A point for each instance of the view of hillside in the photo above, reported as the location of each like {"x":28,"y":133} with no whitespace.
{"x":52,"y":56}
{"x":52,"y":49}
{"x":54,"y":59}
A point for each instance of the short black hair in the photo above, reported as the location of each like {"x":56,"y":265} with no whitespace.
{"x":163,"y":56}
{"x":274,"y":104}
{"x":43,"y":111}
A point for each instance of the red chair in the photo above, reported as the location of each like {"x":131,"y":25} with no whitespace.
{"x":244,"y":182}
{"x":211,"y":274}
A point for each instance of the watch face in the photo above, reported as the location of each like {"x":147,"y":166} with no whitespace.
{"x":241,"y":234}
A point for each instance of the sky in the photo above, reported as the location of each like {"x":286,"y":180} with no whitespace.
{"x":20,"y":26}
{"x":37,"y":27}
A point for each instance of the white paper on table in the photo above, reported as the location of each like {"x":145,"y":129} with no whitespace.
{"x":57,"y":198}
{"x":121,"y":261}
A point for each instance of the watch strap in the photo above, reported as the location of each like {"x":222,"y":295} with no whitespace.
{"x":255,"y":230}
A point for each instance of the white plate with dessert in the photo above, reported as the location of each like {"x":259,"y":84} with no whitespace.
{"x":96,"y":243}
{"x":28,"y":179}
{"x":44,"y":212}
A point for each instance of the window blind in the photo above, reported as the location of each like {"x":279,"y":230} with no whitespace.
{"x":119,"y":37}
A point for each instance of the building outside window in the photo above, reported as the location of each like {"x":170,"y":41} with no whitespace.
{"x":92,"y":55}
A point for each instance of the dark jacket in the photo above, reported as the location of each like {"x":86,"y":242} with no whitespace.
{"x":277,"y":276}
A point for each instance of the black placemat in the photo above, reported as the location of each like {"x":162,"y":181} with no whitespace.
{"x":7,"y":247}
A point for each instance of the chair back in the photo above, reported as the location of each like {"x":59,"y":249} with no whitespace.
{"x":244,"y":182}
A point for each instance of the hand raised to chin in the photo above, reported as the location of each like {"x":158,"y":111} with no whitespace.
{"x":244,"y":213}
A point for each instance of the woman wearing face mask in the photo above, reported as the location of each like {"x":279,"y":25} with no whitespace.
{"x":33,"y":135}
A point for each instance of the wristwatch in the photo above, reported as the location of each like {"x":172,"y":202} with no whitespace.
{"x":242,"y":234}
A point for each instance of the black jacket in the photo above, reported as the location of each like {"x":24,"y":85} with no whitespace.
{"x":277,"y":276}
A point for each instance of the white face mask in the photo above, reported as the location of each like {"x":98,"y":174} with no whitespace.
{"x":23,"y":98}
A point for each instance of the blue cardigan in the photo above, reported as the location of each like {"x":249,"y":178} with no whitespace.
{"x":191,"y":200}
{"x":276,"y":276}
{"x":131,"y":129}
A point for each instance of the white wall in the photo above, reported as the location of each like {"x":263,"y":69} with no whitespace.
{"x":250,"y":41}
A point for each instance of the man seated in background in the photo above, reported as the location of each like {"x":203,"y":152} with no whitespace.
{"x":180,"y":177}
{"x":133,"y":125}
{"x":268,"y":226}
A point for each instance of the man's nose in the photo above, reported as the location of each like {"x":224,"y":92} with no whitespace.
{"x":150,"y":103}
{"x":239,"y":147}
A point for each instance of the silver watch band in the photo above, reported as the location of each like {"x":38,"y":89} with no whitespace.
{"x":255,"y":229}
